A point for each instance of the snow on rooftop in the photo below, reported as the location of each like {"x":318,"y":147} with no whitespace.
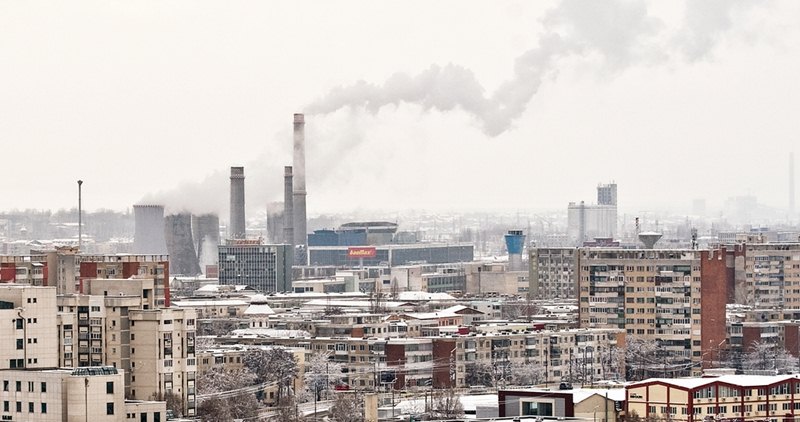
{"x":423,"y":296}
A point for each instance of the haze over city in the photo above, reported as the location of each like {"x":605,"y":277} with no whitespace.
{"x":446,"y":105}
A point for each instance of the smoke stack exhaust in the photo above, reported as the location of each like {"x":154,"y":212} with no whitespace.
{"x":288,"y":206}
{"x":299,"y":189}
{"x":236,"y":224}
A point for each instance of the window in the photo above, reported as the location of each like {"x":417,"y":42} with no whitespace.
{"x":18,"y":386}
{"x":44,"y":407}
{"x":20,"y":344}
{"x":6,"y":406}
{"x":44,"y":387}
{"x":19,"y":406}
{"x":109,"y":408}
{"x":30,"y":407}
{"x":5,"y":385}
{"x":30,"y":386}
{"x":110,"y":387}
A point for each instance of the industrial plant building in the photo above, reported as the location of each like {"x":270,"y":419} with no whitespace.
{"x":391,"y":255}
{"x":265,"y":268}
{"x":589,"y":221}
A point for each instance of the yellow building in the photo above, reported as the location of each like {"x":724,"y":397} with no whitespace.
{"x":739,"y":398}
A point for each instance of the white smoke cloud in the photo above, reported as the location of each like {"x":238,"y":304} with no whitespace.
{"x":621,"y":33}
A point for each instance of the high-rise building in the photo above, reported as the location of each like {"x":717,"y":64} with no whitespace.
{"x":767,"y":274}
{"x":607,"y":194}
{"x":265,"y":268}
{"x":673,"y":297}
{"x":553,"y":273}
{"x":586,"y":222}
{"x":30,"y":331}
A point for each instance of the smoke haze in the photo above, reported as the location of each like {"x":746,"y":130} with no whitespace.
{"x":621,"y":33}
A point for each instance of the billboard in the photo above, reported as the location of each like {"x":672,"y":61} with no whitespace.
{"x":361,"y":252}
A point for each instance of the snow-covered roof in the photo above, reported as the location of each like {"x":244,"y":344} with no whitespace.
{"x":258,"y":309}
{"x":423,"y":296}
{"x":210,"y":302}
{"x":271,"y":332}
{"x":451,"y":312}
{"x":740,"y":380}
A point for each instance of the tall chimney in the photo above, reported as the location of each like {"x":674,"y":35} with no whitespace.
{"x":791,"y":186}
{"x":236,"y":224}
{"x":299,"y":189}
{"x":288,"y":206}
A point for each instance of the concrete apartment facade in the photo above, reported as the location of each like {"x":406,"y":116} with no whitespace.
{"x":72,"y":395}
{"x":674,"y":297}
{"x":553,"y":273}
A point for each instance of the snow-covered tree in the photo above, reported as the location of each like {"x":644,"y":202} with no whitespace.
{"x":347,"y":407}
{"x":446,"y":404}
{"x":321,"y":374}
{"x":640,"y":356}
{"x":272,"y":365}
{"x":224,"y":395}
{"x":531,"y":373}
{"x":768,"y":357}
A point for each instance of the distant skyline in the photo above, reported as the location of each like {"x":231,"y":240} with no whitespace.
{"x":442,"y":106}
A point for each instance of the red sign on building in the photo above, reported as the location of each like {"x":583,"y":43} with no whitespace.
{"x":358,"y":253}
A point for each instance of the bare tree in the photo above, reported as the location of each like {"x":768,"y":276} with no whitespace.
{"x":272,"y":365}
{"x":347,"y":407}
{"x":446,"y":404}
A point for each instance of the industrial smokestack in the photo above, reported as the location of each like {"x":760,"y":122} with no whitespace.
{"x":180,"y":245}
{"x":205,"y":232}
{"x":288,"y":206}
{"x":791,"y":186}
{"x":148,"y":235}
{"x":299,"y":189}
{"x":236,"y":224}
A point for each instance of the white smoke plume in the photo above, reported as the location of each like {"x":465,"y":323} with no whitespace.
{"x":621,"y":33}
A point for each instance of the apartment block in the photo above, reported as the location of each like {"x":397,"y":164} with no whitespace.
{"x":674,"y":297}
{"x":72,"y":395}
{"x":29,"y":327}
{"x":64,"y":269}
{"x":768,"y":274}
{"x":162,"y":354}
{"x":553,"y":273}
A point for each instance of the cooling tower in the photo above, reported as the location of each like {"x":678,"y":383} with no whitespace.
{"x":180,"y":245}
{"x":236,"y":224}
{"x":299,"y":189}
{"x":148,"y":235}
{"x":515,"y":241}
{"x":288,"y":206}
{"x":205,"y":232}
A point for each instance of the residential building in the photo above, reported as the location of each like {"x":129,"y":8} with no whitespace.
{"x":30,"y":327}
{"x":553,"y":273}
{"x":673,"y":297}
{"x":162,"y":354}
{"x":72,"y":395}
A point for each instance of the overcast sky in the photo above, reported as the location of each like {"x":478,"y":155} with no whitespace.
{"x":489,"y":105}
